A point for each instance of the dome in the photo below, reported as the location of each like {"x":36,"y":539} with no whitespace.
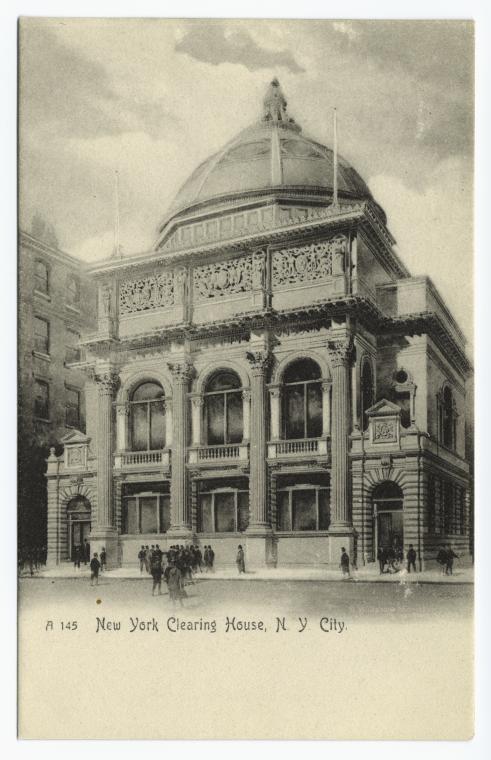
{"x":270,"y":156}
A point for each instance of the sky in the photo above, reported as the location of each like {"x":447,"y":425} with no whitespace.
{"x":151,"y":99}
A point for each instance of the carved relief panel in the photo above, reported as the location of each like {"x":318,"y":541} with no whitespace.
{"x":224,"y":278}
{"x":309,"y":263}
{"x":152,"y":292}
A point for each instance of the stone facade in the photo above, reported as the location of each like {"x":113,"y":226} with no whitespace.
{"x":282,"y":382}
{"x":56,"y":304}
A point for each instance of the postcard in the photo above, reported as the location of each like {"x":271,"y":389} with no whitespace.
{"x":245,"y":454}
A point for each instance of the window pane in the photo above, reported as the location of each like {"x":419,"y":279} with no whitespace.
{"x":215,"y":419}
{"x":225,"y":512}
{"x":73,"y":290}
{"x":72,"y":353}
{"x":314,"y":411}
{"x":131,"y":517}
{"x":72,"y":408}
{"x":243,"y":502}
{"x":294,"y":412}
{"x":157,"y":425}
{"x":164,"y":513}
{"x":148,"y":509}
{"x":324,"y":509}
{"x":234,"y":417}
{"x":283,"y":508}
{"x":206,"y":519}
{"x":223,"y":381}
{"x":41,"y":277}
{"x":147,"y":392}
{"x":139,"y":427}
{"x":41,"y":335}
{"x":304,"y":369}
{"x":304,"y":517}
{"x":41,"y":400}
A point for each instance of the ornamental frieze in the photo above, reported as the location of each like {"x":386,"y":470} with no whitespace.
{"x":153,"y":292}
{"x":309,"y":263}
{"x":222,"y":279}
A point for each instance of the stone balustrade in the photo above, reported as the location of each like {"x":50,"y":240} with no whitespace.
{"x":230,"y":451}
{"x":297,"y":448}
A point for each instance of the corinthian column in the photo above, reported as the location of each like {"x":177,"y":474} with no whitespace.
{"x":339,"y":354}
{"x":180,"y":512}
{"x":258,"y":508}
{"x":103,"y":530}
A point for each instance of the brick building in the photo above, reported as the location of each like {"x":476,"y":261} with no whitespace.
{"x":55,"y":303}
{"x":268,"y":374}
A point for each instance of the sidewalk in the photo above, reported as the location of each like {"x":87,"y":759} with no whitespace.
{"x":368,"y":574}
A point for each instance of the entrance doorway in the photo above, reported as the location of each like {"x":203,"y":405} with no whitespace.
{"x":79,"y":522}
{"x":388,"y":518}
{"x":79,"y":533}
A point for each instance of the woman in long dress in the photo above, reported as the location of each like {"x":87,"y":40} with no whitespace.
{"x":240,"y":560}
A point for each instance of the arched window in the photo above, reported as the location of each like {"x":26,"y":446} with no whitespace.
{"x":367,"y":392}
{"x":302,"y":400}
{"x":41,"y":278}
{"x":73,"y":290}
{"x":223,"y":409}
{"x":448,"y":418}
{"x":147,"y":417}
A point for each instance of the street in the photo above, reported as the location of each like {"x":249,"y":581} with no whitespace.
{"x":388,"y":602}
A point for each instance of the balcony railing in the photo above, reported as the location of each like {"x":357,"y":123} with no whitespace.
{"x":223,"y":452}
{"x":298,"y":447}
{"x":138,"y":459}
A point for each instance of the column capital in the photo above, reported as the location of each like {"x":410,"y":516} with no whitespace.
{"x":275,"y":391}
{"x":340,"y":350}
{"x":123,"y":410}
{"x":181,"y":371}
{"x":197,"y":401}
{"x":246,"y":394}
{"x":107,"y":382}
{"x":259,"y":361}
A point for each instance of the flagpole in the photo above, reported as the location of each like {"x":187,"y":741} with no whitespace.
{"x":117,"y":247}
{"x":335,"y":160}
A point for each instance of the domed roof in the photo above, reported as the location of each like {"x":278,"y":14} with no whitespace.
{"x":271,"y":154}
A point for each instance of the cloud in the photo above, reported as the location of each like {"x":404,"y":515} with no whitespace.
{"x":214,"y":43}
{"x":433,"y":229}
{"x":66,"y":93}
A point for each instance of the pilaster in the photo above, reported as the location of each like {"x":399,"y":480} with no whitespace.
{"x":180,"y":513}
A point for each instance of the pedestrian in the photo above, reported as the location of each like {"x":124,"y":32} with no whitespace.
{"x":449,"y":561}
{"x":240,"y":560}
{"x":381,"y":559}
{"x":159,"y":552}
{"x":211,"y":558}
{"x":76,"y":556}
{"x":174,"y":583}
{"x":198,"y":558}
{"x":391,"y":559}
{"x":344,"y":564}
{"x":441,"y":558}
{"x":86,"y":552}
{"x":147,"y":558}
{"x":103,"y":559}
{"x":141,"y":558}
{"x":411,"y":559}
{"x":156,"y":570}
{"x":95,"y":566}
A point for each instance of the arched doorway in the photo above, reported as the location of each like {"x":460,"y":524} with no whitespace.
{"x":388,"y":517}
{"x":78,"y":520}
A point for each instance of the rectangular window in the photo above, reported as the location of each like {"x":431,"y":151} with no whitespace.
{"x":41,"y":278}
{"x":164,"y":513}
{"x":132,"y":522}
{"x":243,"y":509}
{"x":41,"y":335}
{"x":304,"y":510}
{"x":314,"y":411}
{"x":148,"y":514}
{"x":324,"y":509}
{"x":225,"y":512}
{"x":72,"y":350}
{"x":206,"y":513}
{"x":157,"y":425}
{"x":72,"y":408}
{"x":234,"y":417}
{"x":139,"y":427}
{"x":283,"y":507}
{"x":41,"y":399}
{"x":431,"y":505}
